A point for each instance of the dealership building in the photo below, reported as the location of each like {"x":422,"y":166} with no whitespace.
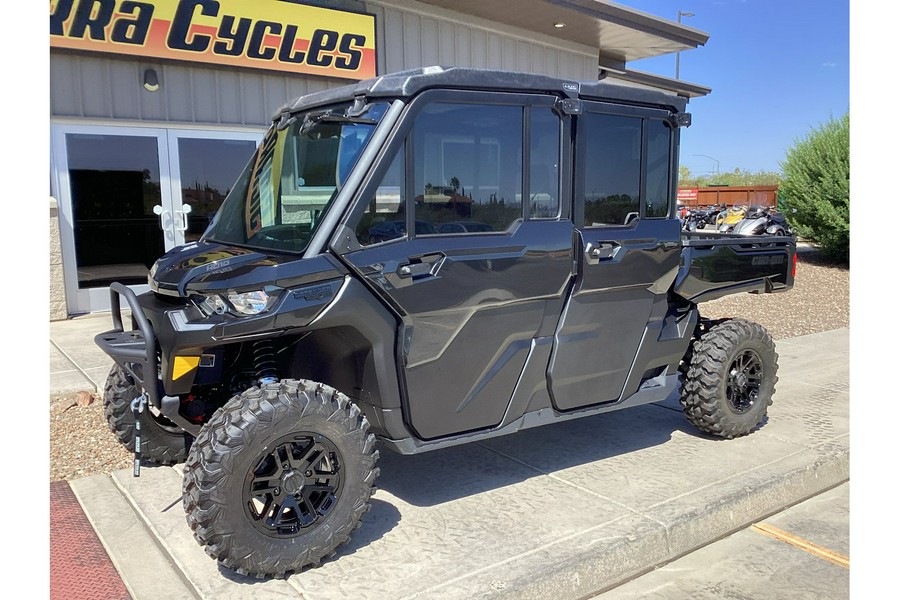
{"x":157,"y":105}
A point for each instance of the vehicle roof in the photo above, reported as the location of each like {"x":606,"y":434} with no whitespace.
{"x":405,"y":84}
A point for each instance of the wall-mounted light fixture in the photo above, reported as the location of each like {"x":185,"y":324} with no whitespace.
{"x":151,"y":80}
{"x":559,"y":24}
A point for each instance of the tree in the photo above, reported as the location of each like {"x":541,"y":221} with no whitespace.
{"x":738,"y":177}
{"x":815,"y":188}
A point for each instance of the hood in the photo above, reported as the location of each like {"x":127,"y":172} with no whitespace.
{"x":208,"y":267}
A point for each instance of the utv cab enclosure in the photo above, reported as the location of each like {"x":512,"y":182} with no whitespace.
{"x":420,"y":260}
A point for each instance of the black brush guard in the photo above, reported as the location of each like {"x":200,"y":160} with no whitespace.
{"x":135,"y":350}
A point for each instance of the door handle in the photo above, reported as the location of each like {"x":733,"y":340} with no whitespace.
{"x":414,"y":269}
{"x":182,"y":214}
{"x":158,"y":211}
{"x":424,"y":264}
{"x":594,"y":252}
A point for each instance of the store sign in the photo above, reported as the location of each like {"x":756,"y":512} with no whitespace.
{"x":265,"y":34}
{"x":686,"y":194}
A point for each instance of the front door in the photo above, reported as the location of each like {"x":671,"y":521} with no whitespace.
{"x":475,"y":271}
{"x":128,"y":194}
{"x":628,"y":251}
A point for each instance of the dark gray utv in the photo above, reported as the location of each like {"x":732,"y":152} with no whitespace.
{"x":421,"y":260}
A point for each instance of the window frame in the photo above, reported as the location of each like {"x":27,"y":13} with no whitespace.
{"x":346,"y":239}
{"x":645,"y":115}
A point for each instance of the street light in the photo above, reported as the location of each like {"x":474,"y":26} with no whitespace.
{"x":710,"y":158}
{"x":678,"y":52}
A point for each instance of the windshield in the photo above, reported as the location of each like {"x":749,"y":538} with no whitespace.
{"x":292,"y":179}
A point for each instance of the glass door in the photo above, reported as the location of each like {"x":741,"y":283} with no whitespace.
{"x":114,"y":202}
{"x":204,"y":166}
{"x":128,"y":194}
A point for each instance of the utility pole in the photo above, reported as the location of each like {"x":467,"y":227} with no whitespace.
{"x":678,"y":52}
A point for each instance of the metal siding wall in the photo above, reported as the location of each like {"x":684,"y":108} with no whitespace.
{"x":65,"y":91}
{"x":101,"y":87}
{"x":410,"y":40}
{"x":94,"y":86}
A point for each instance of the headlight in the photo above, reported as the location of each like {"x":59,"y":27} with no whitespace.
{"x":249,"y":303}
{"x":211,"y":305}
{"x":236,"y":303}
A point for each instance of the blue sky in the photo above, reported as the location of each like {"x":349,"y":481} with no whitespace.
{"x":777,"y":70}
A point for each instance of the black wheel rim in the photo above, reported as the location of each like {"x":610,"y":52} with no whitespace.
{"x":744,"y":380}
{"x":294,"y":485}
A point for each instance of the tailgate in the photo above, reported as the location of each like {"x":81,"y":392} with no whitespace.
{"x":715,"y":265}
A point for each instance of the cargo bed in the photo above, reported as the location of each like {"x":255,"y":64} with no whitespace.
{"x":718,"y":264}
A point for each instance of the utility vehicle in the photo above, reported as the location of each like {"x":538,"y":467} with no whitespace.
{"x":328,"y":311}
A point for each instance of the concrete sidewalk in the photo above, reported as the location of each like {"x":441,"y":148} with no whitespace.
{"x":76,"y":362}
{"x":562,"y":511}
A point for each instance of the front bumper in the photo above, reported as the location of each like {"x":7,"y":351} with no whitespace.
{"x":166,"y":333}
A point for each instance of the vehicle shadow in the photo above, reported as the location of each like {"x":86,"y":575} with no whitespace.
{"x":453,"y":473}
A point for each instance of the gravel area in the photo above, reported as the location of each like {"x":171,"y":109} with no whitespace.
{"x":82,"y":445}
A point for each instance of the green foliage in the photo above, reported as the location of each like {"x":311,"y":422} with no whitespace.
{"x":738,"y":177}
{"x":815,"y":188}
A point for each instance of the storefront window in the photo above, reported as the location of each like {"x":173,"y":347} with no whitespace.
{"x":115,"y":183}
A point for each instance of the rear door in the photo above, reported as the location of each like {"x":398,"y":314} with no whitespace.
{"x":460,"y":231}
{"x":627,"y":250}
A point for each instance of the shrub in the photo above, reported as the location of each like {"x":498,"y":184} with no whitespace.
{"x":815,"y":188}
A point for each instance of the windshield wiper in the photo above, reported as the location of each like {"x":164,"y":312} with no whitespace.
{"x":327,"y":116}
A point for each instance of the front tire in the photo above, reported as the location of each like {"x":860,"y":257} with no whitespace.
{"x":279,"y":477}
{"x":162,"y":442}
{"x":730,"y":378}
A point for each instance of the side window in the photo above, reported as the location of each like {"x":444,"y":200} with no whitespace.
{"x":658,"y":166}
{"x":385,"y":216}
{"x":612,"y":173}
{"x":468,"y":168}
{"x":544,"y":164}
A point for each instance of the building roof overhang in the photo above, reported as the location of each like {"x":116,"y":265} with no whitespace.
{"x":676,"y":86}
{"x":620,"y":33}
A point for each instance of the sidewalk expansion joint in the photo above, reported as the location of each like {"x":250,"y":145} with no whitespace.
{"x":163,"y":547}
{"x":494,"y":566}
{"x":74,"y":364}
{"x":719,"y":482}
{"x":573,"y":485}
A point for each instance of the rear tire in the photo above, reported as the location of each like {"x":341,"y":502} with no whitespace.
{"x":162,"y":442}
{"x":730,"y":378}
{"x":279,"y":477}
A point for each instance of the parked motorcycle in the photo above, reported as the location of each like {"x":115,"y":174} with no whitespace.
{"x":729,"y":218}
{"x":700,"y":218}
{"x":763,"y":220}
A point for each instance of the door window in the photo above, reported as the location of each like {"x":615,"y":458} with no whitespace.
{"x":468,"y":168}
{"x":612,"y":172}
{"x":544,"y":147}
{"x":659,"y":162}
{"x":385,"y":215}
{"x":615,"y":148}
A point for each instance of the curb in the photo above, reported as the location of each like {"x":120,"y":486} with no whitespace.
{"x":585,"y":568}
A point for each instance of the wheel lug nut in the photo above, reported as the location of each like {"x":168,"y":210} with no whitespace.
{"x":309,"y":473}
{"x":277,"y":491}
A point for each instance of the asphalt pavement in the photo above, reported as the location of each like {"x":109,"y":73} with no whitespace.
{"x":562,"y":511}
{"x":800,"y":553}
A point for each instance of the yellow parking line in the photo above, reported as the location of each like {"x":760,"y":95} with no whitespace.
{"x":793,"y":540}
